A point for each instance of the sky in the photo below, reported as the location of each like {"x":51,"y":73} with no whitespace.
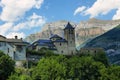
{"x":25,"y":17}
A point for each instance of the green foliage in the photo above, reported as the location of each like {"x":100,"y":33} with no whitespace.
{"x":1,"y":53}
{"x":20,"y":74}
{"x":13,"y":77}
{"x":84,"y":68}
{"x":42,"y":52}
{"x":49,"y":69}
{"x":101,"y":57}
{"x":6,"y":66}
{"x":19,"y":77}
{"x":111,"y":73}
{"x":60,"y":67}
{"x":97,"y":56}
{"x":33,"y":52}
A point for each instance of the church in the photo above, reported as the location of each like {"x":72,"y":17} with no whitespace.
{"x":59,"y":45}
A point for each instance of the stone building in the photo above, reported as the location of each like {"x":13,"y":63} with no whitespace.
{"x":60,"y":45}
{"x":15,"y":48}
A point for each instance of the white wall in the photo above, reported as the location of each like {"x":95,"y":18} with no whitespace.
{"x":10,"y":49}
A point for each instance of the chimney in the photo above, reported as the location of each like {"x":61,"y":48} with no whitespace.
{"x":16,"y":37}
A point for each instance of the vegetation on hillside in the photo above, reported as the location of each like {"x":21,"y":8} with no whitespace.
{"x":61,"y":67}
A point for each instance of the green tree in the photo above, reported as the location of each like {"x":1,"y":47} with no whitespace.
{"x":14,"y":77}
{"x":19,"y":77}
{"x":111,"y":73}
{"x":6,"y":66}
{"x":1,"y":54}
{"x":84,"y":68}
{"x":49,"y":69}
{"x":101,"y":57}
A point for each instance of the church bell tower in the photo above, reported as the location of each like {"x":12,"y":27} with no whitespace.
{"x":69,"y":35}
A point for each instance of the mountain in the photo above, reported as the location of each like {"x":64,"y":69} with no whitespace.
{"x":110,"y":41}
{"x":85,"y":30}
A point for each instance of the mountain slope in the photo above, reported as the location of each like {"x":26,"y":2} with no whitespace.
{"x":110,"y":41}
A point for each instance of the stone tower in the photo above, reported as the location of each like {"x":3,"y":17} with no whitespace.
{"x":69,"y":35}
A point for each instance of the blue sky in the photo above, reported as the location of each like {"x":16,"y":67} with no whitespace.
{"x":24,"y":17}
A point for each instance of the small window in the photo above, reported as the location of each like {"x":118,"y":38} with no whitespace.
{"x":0,"y":44}
{"x":61,"y":51}
{"x":8,"y":50}
{"x":14,"y":54}
{"x":60,"y":44}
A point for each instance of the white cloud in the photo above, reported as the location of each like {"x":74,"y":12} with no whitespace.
{"x":13,"y":10}
{"x":117,"y":15}
{"x":103,"y":7}
{"x":79,"y":10}
{"x":5,"y":28}
{"x":13,"y":34}
{"x":33,"y":21}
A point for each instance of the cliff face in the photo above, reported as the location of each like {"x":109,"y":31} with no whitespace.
{"x":85,"y":30}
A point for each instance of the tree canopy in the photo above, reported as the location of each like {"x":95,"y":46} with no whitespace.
{"x":6,"y":66}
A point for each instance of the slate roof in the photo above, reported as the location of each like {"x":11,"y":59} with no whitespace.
{"x":12,"y":40}
{"x":43,"y":42}
{"x":59,"y":39}
{"x":69,"y":26}
{"x":55,"y":36}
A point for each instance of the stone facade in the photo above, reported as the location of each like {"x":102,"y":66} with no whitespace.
{"x":60,"y":45}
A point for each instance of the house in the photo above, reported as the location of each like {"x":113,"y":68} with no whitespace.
{"x":15,"y":48}
{"x":60,"y":45}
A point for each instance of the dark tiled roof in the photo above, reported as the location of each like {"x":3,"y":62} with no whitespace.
{"x":55,"y":36}
{"x":43,"y":42}
{"x":14,"y":40}
{"x":69,"y":26}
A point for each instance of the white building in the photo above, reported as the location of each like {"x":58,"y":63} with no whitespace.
{"x":60,"y":45}
{"x":15,"y":48}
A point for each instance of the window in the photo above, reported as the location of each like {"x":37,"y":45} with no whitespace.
{"x":14,"y":55}
{"x":19,"y":48}
{"x":8,"y":50}
{"x":0,"y":44}
{"x":70,"y":31}
{"x":61,"y":51}
{"x":60,"y":44}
